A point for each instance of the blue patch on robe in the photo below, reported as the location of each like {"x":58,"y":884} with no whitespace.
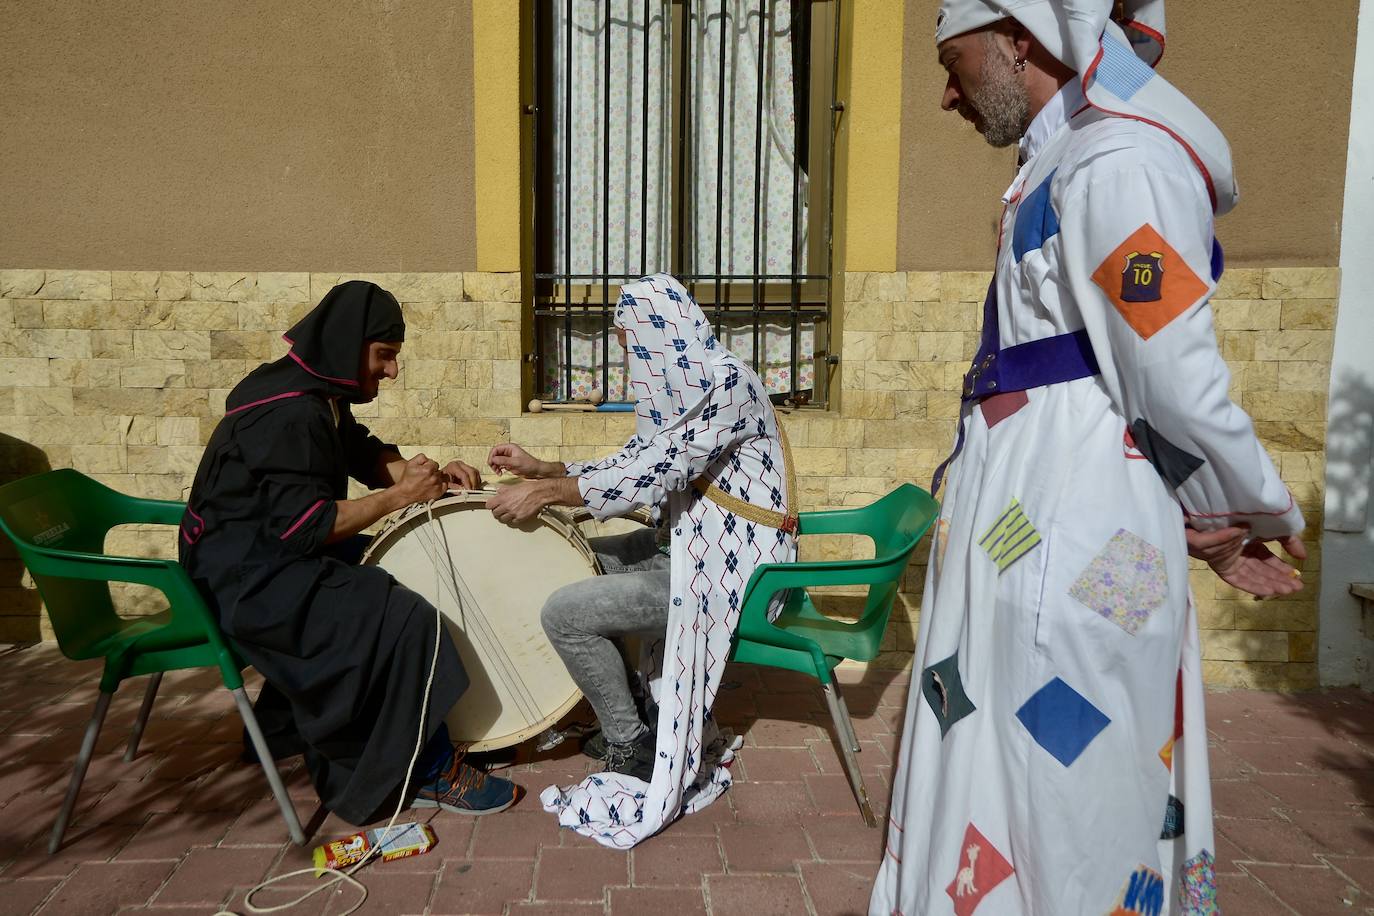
{"x":1218,"y":260}
{"x":1036,"y":221}
{"x":1061,"y":720}
{"x":1120,"y":71}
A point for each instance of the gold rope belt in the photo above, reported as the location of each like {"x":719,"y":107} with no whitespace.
{"x":757,"y":514}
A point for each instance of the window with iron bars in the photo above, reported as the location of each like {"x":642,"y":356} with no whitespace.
{"x":695,"y":137}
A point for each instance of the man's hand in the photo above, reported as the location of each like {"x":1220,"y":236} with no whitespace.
{"x":512,"y":458}
{"x":420,"y":481}
{"x":1248,"y":565}
{"x":462,"y":475}
{"x":517,"y":503}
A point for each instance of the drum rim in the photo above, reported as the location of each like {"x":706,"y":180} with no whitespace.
{"x":396,"y":524}
{"x":473,"y":499}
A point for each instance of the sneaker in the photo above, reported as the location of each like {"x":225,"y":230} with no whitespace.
{"x":633,"y":758}
{"x":465,"y":789}
{"x":595,"y":745}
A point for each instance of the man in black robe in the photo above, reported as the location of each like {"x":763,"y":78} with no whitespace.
{"x":271,"y":540}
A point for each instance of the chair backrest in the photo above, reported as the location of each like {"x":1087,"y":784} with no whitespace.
{"x":64,"y":510}
{"x":900,"y":518}
{"x":896,"y":523}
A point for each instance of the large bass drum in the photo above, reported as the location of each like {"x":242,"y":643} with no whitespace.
{"x":490,"y":582}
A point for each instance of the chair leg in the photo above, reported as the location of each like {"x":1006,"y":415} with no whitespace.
{"x":83,"y":760}
{"x":269,"y":767}
{"x":851,"y":762}
{"x":142,"y":721}
{"x":848,"y":720}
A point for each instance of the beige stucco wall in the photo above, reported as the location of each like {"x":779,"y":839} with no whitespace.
{"x":311,"y":134}
{"x":1274,"y":76}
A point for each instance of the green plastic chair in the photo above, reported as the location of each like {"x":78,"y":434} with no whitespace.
{"x":805,"y":640}
{"x":58,"y":520}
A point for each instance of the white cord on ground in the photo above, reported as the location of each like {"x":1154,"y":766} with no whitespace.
{"x":346,"y":877}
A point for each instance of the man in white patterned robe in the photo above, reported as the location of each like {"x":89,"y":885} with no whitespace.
{"x":702,"y":417}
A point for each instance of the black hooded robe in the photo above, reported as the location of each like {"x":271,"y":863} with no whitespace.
{"x":345,"y":649}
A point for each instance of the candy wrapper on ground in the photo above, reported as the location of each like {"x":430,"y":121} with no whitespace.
{"x":402,"y":841}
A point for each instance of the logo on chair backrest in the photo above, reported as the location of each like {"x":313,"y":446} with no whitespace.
{"x":49,"y":532}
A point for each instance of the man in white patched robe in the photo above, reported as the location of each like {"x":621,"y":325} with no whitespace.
{"x":1054,"y":753}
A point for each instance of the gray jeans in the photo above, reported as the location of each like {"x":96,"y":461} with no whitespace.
{"x":584,"y":620}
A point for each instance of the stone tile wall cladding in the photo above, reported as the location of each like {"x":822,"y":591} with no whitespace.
{"x":123,"y":375}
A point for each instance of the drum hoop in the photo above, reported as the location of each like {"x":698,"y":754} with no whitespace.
{"x":641,"y":514}
{"x":394,"y":522}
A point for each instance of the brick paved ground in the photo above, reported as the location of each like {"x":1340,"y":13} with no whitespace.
{"x":186,"y":827}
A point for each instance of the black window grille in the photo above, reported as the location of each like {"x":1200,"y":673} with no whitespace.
{"x":692,"y":136}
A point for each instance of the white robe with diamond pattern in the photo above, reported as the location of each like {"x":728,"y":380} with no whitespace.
{"x":700,"y":411}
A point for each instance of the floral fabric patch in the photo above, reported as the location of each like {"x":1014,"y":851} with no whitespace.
{"x":1197,"y":886}
{"x":1125,"y":582}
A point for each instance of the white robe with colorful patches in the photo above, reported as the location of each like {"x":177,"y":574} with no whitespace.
{"x":700,"y":411}
{"x":1054,"y":754}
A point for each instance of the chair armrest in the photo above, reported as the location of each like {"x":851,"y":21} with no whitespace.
{"x":770,"y":578}
{"x":775,"y":577}
{"x":834,"y":521}
{"x":169,"y":577}
{"x":152,"y":511}
{"x":75,"y":564}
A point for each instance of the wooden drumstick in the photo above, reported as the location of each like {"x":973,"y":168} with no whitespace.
{"x":593,"y":400}
{"x":536,"y":406}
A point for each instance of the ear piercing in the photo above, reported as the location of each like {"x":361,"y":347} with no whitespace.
{"x":1020,"y":65}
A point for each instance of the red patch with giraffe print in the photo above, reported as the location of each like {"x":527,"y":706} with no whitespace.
{"x":981,"y":868}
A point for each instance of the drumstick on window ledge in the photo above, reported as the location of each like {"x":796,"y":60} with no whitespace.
{"x":593,"y":402}
{"x":536,"y":406}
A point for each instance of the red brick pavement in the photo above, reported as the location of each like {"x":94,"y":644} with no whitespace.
{"x":187,"y":828}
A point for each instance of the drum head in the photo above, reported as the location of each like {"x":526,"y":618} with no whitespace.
{"x":491,"y":595}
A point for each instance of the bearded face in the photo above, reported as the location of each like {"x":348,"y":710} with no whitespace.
{"x":1000,"y":101}
{"x":984,"y":87}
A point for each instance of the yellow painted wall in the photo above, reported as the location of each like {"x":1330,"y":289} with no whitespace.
{"x":872,"y":126}
{"x":496,"y":122}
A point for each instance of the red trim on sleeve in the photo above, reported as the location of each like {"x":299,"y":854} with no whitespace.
{"x":1190,"y":514}
{"x":196,"y":530}
{"x":301,"y":521}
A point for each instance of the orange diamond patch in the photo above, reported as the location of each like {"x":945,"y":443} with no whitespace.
{"x":1148,"y":281}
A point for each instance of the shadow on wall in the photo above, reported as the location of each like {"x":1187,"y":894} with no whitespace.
{"x":22,"y":609}
{"x":1349,"y":452}
{"x":1329,"y":764}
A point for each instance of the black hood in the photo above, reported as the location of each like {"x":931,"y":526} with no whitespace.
{"x":326,"y":347}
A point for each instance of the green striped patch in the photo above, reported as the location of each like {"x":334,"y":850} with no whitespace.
{"x":1010,"y":538}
